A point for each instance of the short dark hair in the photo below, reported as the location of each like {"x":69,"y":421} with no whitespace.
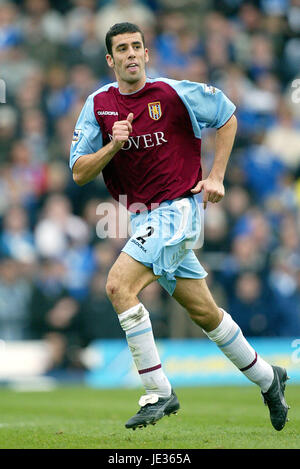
{"x":121,"y":28}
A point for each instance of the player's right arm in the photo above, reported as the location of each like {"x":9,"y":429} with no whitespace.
{"x":85,"y":163}
{"x":89,"y":166}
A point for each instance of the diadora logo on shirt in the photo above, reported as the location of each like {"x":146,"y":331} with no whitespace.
{"x":107,"y":113}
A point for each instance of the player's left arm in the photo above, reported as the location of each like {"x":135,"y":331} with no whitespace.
{"x":213,"y":187}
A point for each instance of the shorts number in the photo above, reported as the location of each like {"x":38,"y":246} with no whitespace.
{"x":141,"y":238}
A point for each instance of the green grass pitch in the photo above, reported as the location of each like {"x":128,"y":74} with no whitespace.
{"x":83,"y":418}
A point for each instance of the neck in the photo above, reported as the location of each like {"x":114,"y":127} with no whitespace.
{"x":127,"y":88}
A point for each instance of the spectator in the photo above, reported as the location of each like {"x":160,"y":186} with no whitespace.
{"x":98,"y":320}
{"x":42,"y":22}
{"x":16,"y":239}
{"x":16,"y":67}
{"x":29,"y":96}
{"x":263,"y":170}
{"x":216,"y":230}
{"x":25,"y":179}
{"x":236,"y":203}
{"x":10,"y":31}
{"x":58,"y":228}
{"x":59,"y":96}
{"x":8,"y":121}
{"x":54,"y":315}
{"x":177,"y":47}
{"x":77,"y":19}
{"x":248,"y":305}
{"x":14,"y":302}
{"x":284,"y":283}
{"x":245,"y":256}
{"x":34,"y":134}
{"x":118,"y":11}
{"x":283,"y":138}
{"x":59,"y":147}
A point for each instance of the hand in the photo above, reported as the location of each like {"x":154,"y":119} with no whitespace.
{"x":213,"y":190}
{"x":121,"y":131}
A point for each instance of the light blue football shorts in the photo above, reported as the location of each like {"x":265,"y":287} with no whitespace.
{"x":163,"y":239}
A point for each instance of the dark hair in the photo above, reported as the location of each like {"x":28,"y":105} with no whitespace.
{"x":121,"y":28}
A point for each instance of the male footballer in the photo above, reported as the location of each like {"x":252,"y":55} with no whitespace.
{"x":144,"y":135}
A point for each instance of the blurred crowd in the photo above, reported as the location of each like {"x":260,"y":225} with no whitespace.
{"x":53,"y":266}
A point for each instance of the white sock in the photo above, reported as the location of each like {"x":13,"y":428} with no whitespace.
{"x":229,"y":338}
{"x":137,"y":326}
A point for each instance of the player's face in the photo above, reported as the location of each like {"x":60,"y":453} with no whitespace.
{"x":128,"y":59}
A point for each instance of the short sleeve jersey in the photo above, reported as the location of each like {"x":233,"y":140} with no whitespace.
{"x":162,"y":158}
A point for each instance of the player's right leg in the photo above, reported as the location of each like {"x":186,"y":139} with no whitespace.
{"x":126,"y":279}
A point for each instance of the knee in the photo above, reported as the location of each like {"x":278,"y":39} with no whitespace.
{"x":117,"y":290}
{"x":113,"y":289}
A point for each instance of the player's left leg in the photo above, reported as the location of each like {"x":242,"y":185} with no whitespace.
{"x":195,"y":297}
{"x":218,"y":325}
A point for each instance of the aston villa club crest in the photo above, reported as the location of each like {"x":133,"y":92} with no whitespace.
{"x":155,"y":110}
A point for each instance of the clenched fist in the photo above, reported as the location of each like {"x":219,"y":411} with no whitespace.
{"x":121,"y":131}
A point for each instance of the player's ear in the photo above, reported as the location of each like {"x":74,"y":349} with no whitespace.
{"x":110,"y":61}
{"x":146,"y":56}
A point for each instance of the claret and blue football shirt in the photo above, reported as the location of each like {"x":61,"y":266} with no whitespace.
{"x":162,"y":158}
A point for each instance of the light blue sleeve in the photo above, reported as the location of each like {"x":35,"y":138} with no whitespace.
{"x":207,"y":106}
{"x":87,"y":136}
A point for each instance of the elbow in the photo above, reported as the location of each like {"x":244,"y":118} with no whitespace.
{"x":230,"y":125}
{"x":232,"y":122}
{"x":77,"y":173}
{"x":78,"y":179}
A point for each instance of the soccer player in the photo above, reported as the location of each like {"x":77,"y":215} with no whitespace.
{"x":144,"y":135}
